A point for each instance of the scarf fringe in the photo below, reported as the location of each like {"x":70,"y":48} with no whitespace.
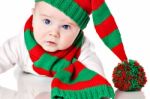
{"x":89,"y":93}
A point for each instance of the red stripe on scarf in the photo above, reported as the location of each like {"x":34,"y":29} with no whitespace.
{"x":67,"y":54}
{"x":106,"y":27}
{"x":36,"y":53}
{"x":28,"y":24}
{"x":75,"y":68}
{"x":95,"y":81}
{"x":71,"y":54}
{"x":43,"y":71}
{"x":78,"y":53}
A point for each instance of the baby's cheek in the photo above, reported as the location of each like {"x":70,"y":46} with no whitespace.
{"x":65,"y":43}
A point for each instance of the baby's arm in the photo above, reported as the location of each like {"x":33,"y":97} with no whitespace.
{"x":7,"y":55}
{"x":90,"y":59}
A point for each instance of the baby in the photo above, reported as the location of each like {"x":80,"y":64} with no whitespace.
{"x":54,"y":45}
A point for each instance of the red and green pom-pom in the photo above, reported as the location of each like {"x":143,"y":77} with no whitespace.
{"x":129,"y":76}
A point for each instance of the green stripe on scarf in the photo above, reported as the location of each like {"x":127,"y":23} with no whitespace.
{"x":44,"y":62}
{"x":72,"y":80}
{"x":89,"y":75}
{"x":30,"y":42}
{"x":80,"y":94}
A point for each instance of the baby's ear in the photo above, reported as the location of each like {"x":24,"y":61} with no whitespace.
{"x":33,"y":10}
{"x":33,"y":13}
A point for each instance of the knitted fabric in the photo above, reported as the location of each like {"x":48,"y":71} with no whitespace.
{"x":72,"y":80}
{"x":105,"y":25}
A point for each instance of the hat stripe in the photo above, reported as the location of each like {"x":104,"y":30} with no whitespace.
{"x":101,"y":14}
{"x":113,"y":39}
{"x":96,"y":4}
{"x":72,"y":9}
{"x":84,"y":4}
{"x":106,"y":27}
{"x":120,"y":52}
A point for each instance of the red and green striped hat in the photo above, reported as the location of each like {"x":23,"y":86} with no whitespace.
{"x":79,"y":11}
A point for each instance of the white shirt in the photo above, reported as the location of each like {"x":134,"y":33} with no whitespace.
{"x":14,"y":51}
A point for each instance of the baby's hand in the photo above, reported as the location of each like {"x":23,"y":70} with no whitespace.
{"x":43,"y":95}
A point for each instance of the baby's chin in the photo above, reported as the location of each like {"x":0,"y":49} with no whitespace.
{"x":53,"y":48}
{"x":49,"y":49}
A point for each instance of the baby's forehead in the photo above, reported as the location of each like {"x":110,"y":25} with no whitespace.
{"x":48,"y":10}
{"x":36,"y":4}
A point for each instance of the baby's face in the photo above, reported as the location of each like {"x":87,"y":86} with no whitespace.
{"x":52,"y":29}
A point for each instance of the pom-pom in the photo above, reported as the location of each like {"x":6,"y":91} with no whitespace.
{"x":129,"y":76}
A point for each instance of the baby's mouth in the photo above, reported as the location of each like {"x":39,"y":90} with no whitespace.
{"x":50,"y":43}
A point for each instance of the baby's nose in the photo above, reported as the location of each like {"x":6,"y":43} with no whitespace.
{"x":54,"y":33}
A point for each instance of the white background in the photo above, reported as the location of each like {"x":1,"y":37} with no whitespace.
{"x":132,"y":18}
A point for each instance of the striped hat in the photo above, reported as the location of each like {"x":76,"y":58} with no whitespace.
{"x":79,"y":11}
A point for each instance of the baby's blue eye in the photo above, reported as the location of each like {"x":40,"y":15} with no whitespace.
{"x":47,"y":21}
{"x":66,"y":27}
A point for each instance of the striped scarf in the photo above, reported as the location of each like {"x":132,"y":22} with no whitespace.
{"x":71,"y":79}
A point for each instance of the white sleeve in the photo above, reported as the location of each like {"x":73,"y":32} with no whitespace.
{"x":6,"y":93}
{"x":89,"y":58}
{"x":28,"y":87}
{"x":8,"y":55}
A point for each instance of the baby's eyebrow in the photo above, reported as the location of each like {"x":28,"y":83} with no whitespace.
{"x":68,"y":22}
{"x":73,"y":24}
{"x":41,"y":14}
